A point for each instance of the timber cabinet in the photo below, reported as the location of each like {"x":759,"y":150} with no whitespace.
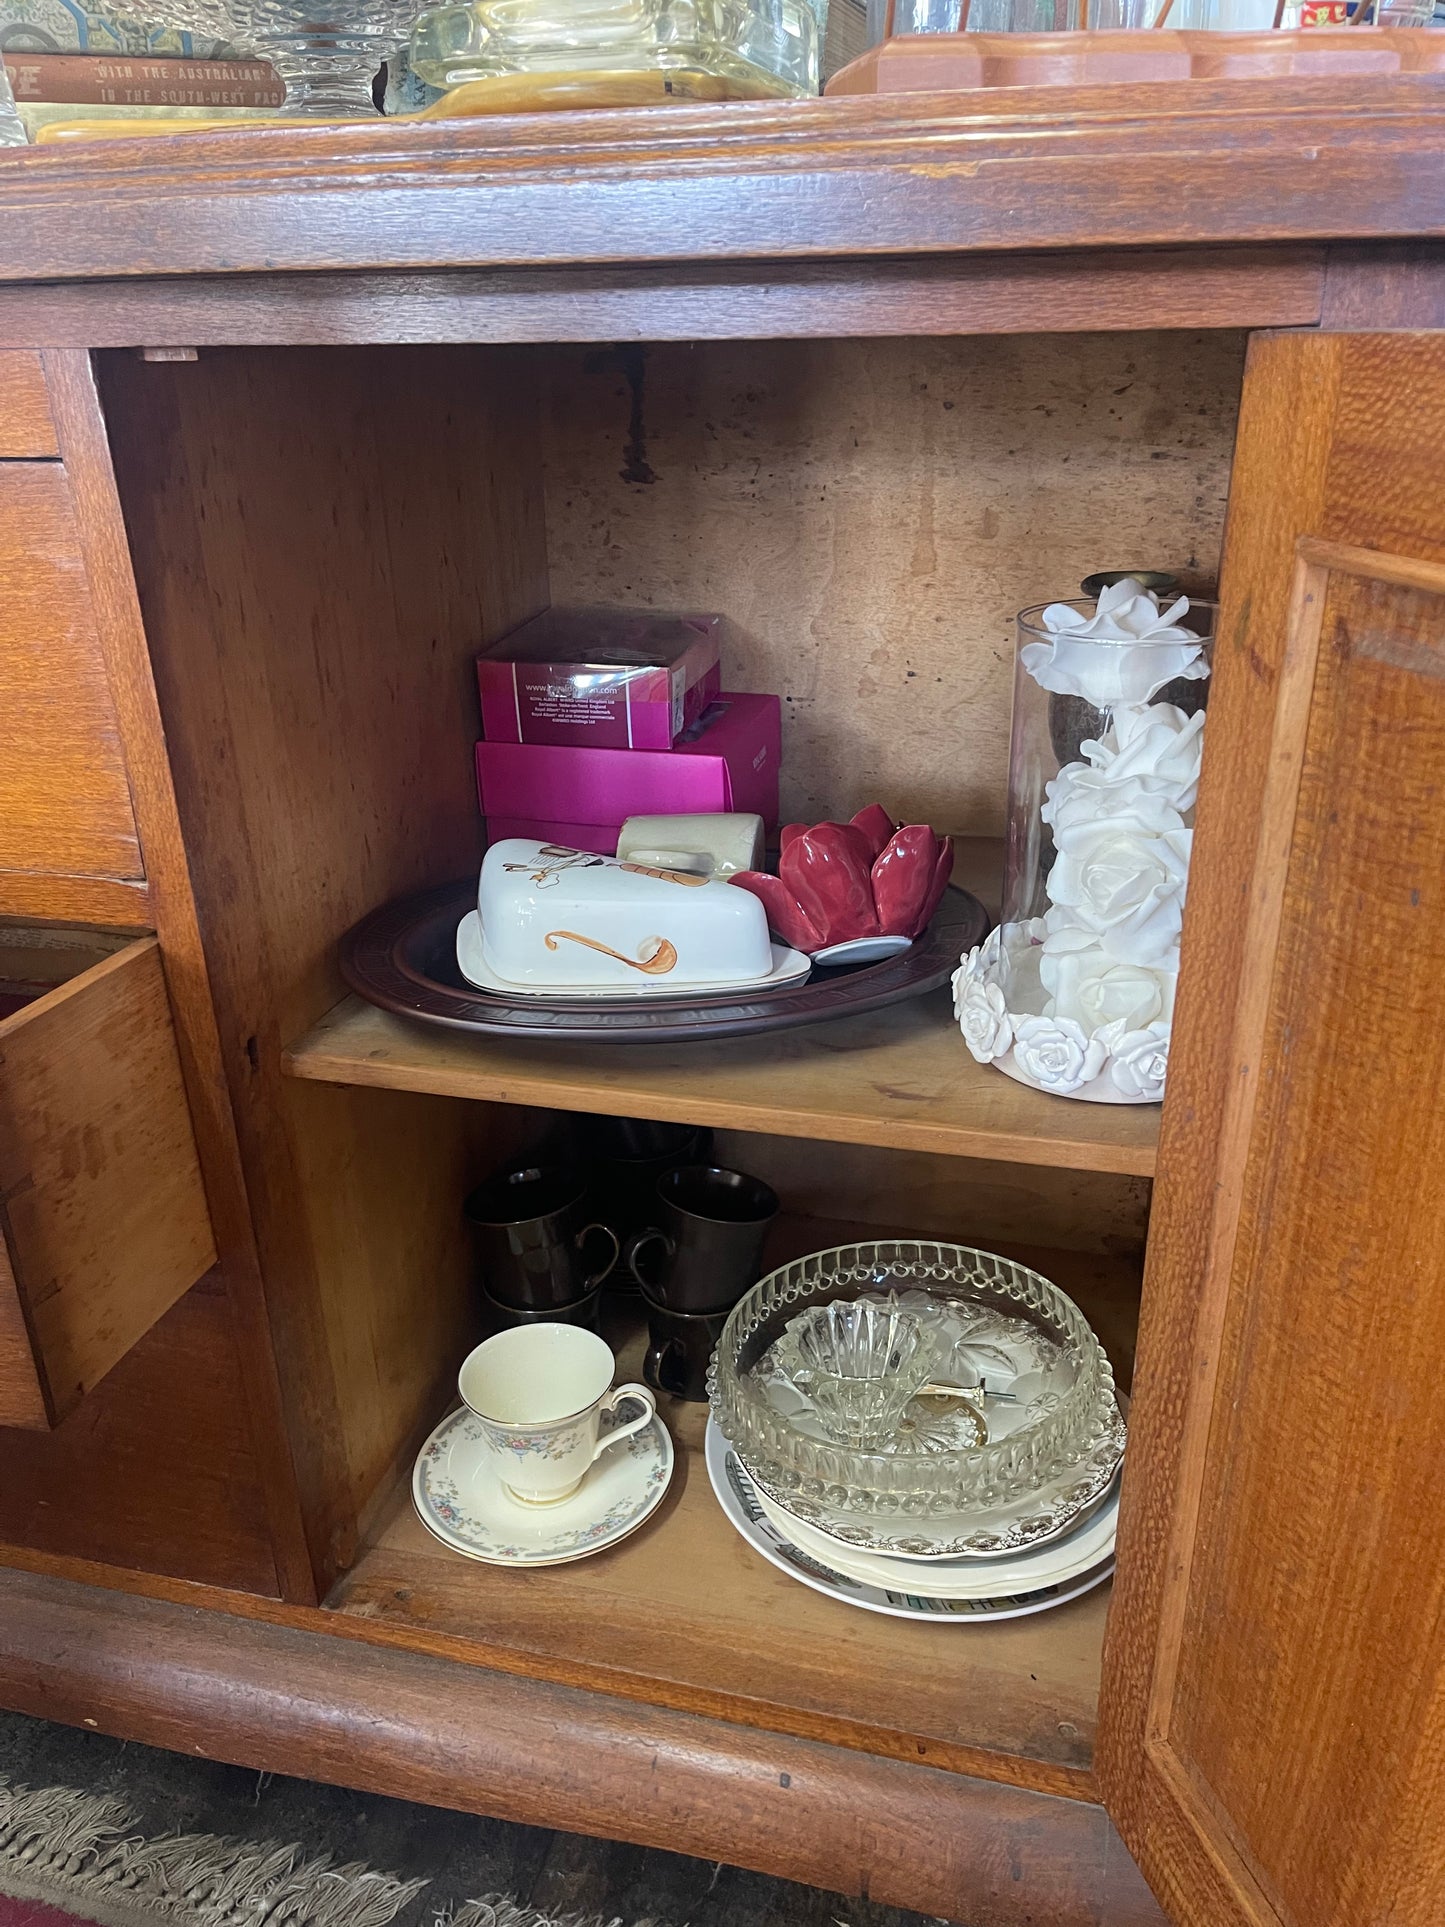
{"x":868,"y":376}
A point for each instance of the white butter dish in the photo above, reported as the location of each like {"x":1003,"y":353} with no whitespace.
{"x":789,"y":967}
{"x":559,"y":918}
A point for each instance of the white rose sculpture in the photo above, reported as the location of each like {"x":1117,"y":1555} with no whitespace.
{"x":1079,"y":1001}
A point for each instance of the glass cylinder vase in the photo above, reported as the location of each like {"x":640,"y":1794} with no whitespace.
{"x":1074,"y":993}
{"x":1050,"y":727}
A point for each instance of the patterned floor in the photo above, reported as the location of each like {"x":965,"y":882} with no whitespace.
{"x":460,"y":1857}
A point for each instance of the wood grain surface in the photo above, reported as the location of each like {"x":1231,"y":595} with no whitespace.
{"x":966,"y":1200}
{"x":22,"y":1396}
{"x":64,"y":801}
{"x":312,"y":621}
{"x":899,"y":1078}
{"x":101,"y":1201}
{"x":413,"y":1726}
{"x":114,"y":903}
{"x":1143,"y":288}
{"x":871,"y":515}
{"x":1299,"y":1216}
{"x":252,"y":1395}
{"x":1093,"y":166}
{"x":1398,"y":284}
{"x":26,"y":429}
{"x":154,"y":1473}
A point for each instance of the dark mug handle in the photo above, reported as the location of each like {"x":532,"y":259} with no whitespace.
{"x":634,"y":1249}
{"x":657,"y":1358}
{"x":584,"y":1234}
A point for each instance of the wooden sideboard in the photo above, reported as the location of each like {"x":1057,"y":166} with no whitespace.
{"x":290,"y":423}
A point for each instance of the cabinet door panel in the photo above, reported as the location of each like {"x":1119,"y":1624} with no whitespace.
{"x":1275,"y":1673}
{"x":64,"y":800}
{"x":25,"y":425}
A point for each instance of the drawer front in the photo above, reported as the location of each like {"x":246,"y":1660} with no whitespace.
{"x":26,"y":429}
{"x":103,"y":1213}
{"x":65,"y":803}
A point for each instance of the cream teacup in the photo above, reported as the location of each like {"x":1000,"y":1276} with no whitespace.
{"x":540,"y":1392}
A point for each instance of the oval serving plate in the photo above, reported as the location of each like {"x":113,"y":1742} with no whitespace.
{"x":403,"y":958}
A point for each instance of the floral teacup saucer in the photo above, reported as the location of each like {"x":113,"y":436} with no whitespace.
{"x":460,"y":1499}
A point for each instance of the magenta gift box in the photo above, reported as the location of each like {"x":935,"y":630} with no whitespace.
{"x":582,"y":797}
{"x":600,"y":678}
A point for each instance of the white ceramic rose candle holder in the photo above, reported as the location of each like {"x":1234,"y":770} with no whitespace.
{"x":1074,"y":993}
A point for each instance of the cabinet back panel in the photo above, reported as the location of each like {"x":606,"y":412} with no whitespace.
{"x":872,"y":514}
{"x":960,"y":1200}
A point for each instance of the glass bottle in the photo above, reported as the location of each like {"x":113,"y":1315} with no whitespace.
{"x":12,"y":128}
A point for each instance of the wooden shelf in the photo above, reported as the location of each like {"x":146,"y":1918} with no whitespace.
{"x":899,"y":1077}
{"x":686,"y":1615}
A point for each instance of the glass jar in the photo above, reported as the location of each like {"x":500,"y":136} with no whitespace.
{"x":985,"y":16}
{"x":328,"y":52}
{"x":713,"y":48}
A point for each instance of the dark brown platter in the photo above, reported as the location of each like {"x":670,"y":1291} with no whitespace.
{"x":403,"y":958}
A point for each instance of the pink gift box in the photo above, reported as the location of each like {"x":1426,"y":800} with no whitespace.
{"x":582,"y":797}
{"x":600,"y":678}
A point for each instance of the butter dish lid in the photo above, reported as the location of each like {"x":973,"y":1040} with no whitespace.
{"x":553,"y":915}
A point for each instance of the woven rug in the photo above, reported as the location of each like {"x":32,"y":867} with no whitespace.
{"x":70,"y":1857}
{"x":108,"y":1831}
{"x":30,"y":1913}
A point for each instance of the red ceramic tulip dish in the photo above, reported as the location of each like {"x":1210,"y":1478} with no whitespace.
{"x":849,"y":892}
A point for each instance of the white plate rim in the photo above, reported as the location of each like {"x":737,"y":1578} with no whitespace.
{"x":789,"y":966}
{"x":716,"y":1451}
{"x":455,"y":1543}
{"x":934,"y":1581}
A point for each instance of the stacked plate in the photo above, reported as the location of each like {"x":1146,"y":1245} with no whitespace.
{"x":992,"y":1494}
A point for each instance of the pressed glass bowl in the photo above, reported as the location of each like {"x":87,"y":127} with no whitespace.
{"x":996,"y":1311}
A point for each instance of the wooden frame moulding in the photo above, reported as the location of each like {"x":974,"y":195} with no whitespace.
{"x":1223,"y":161}
{"x":419,"y":1726}
{"x":1054,"y":293}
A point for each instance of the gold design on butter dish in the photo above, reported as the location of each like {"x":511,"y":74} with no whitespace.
{"x":657,"y":956}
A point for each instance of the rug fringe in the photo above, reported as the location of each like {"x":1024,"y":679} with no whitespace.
{"x":60,"y":1845}
{"x":495,"y":1910}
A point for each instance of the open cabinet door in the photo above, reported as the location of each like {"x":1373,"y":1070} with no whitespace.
{"x":1272,"y":1743}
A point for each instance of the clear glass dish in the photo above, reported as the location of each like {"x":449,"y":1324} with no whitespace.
{"x":328,"y":52}
{"x":743,"y":48}
{"x":1003,"y":1327}
{"x":860,"y":1364}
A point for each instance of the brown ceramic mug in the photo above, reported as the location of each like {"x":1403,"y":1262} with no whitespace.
{"x":707,"y":1245}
